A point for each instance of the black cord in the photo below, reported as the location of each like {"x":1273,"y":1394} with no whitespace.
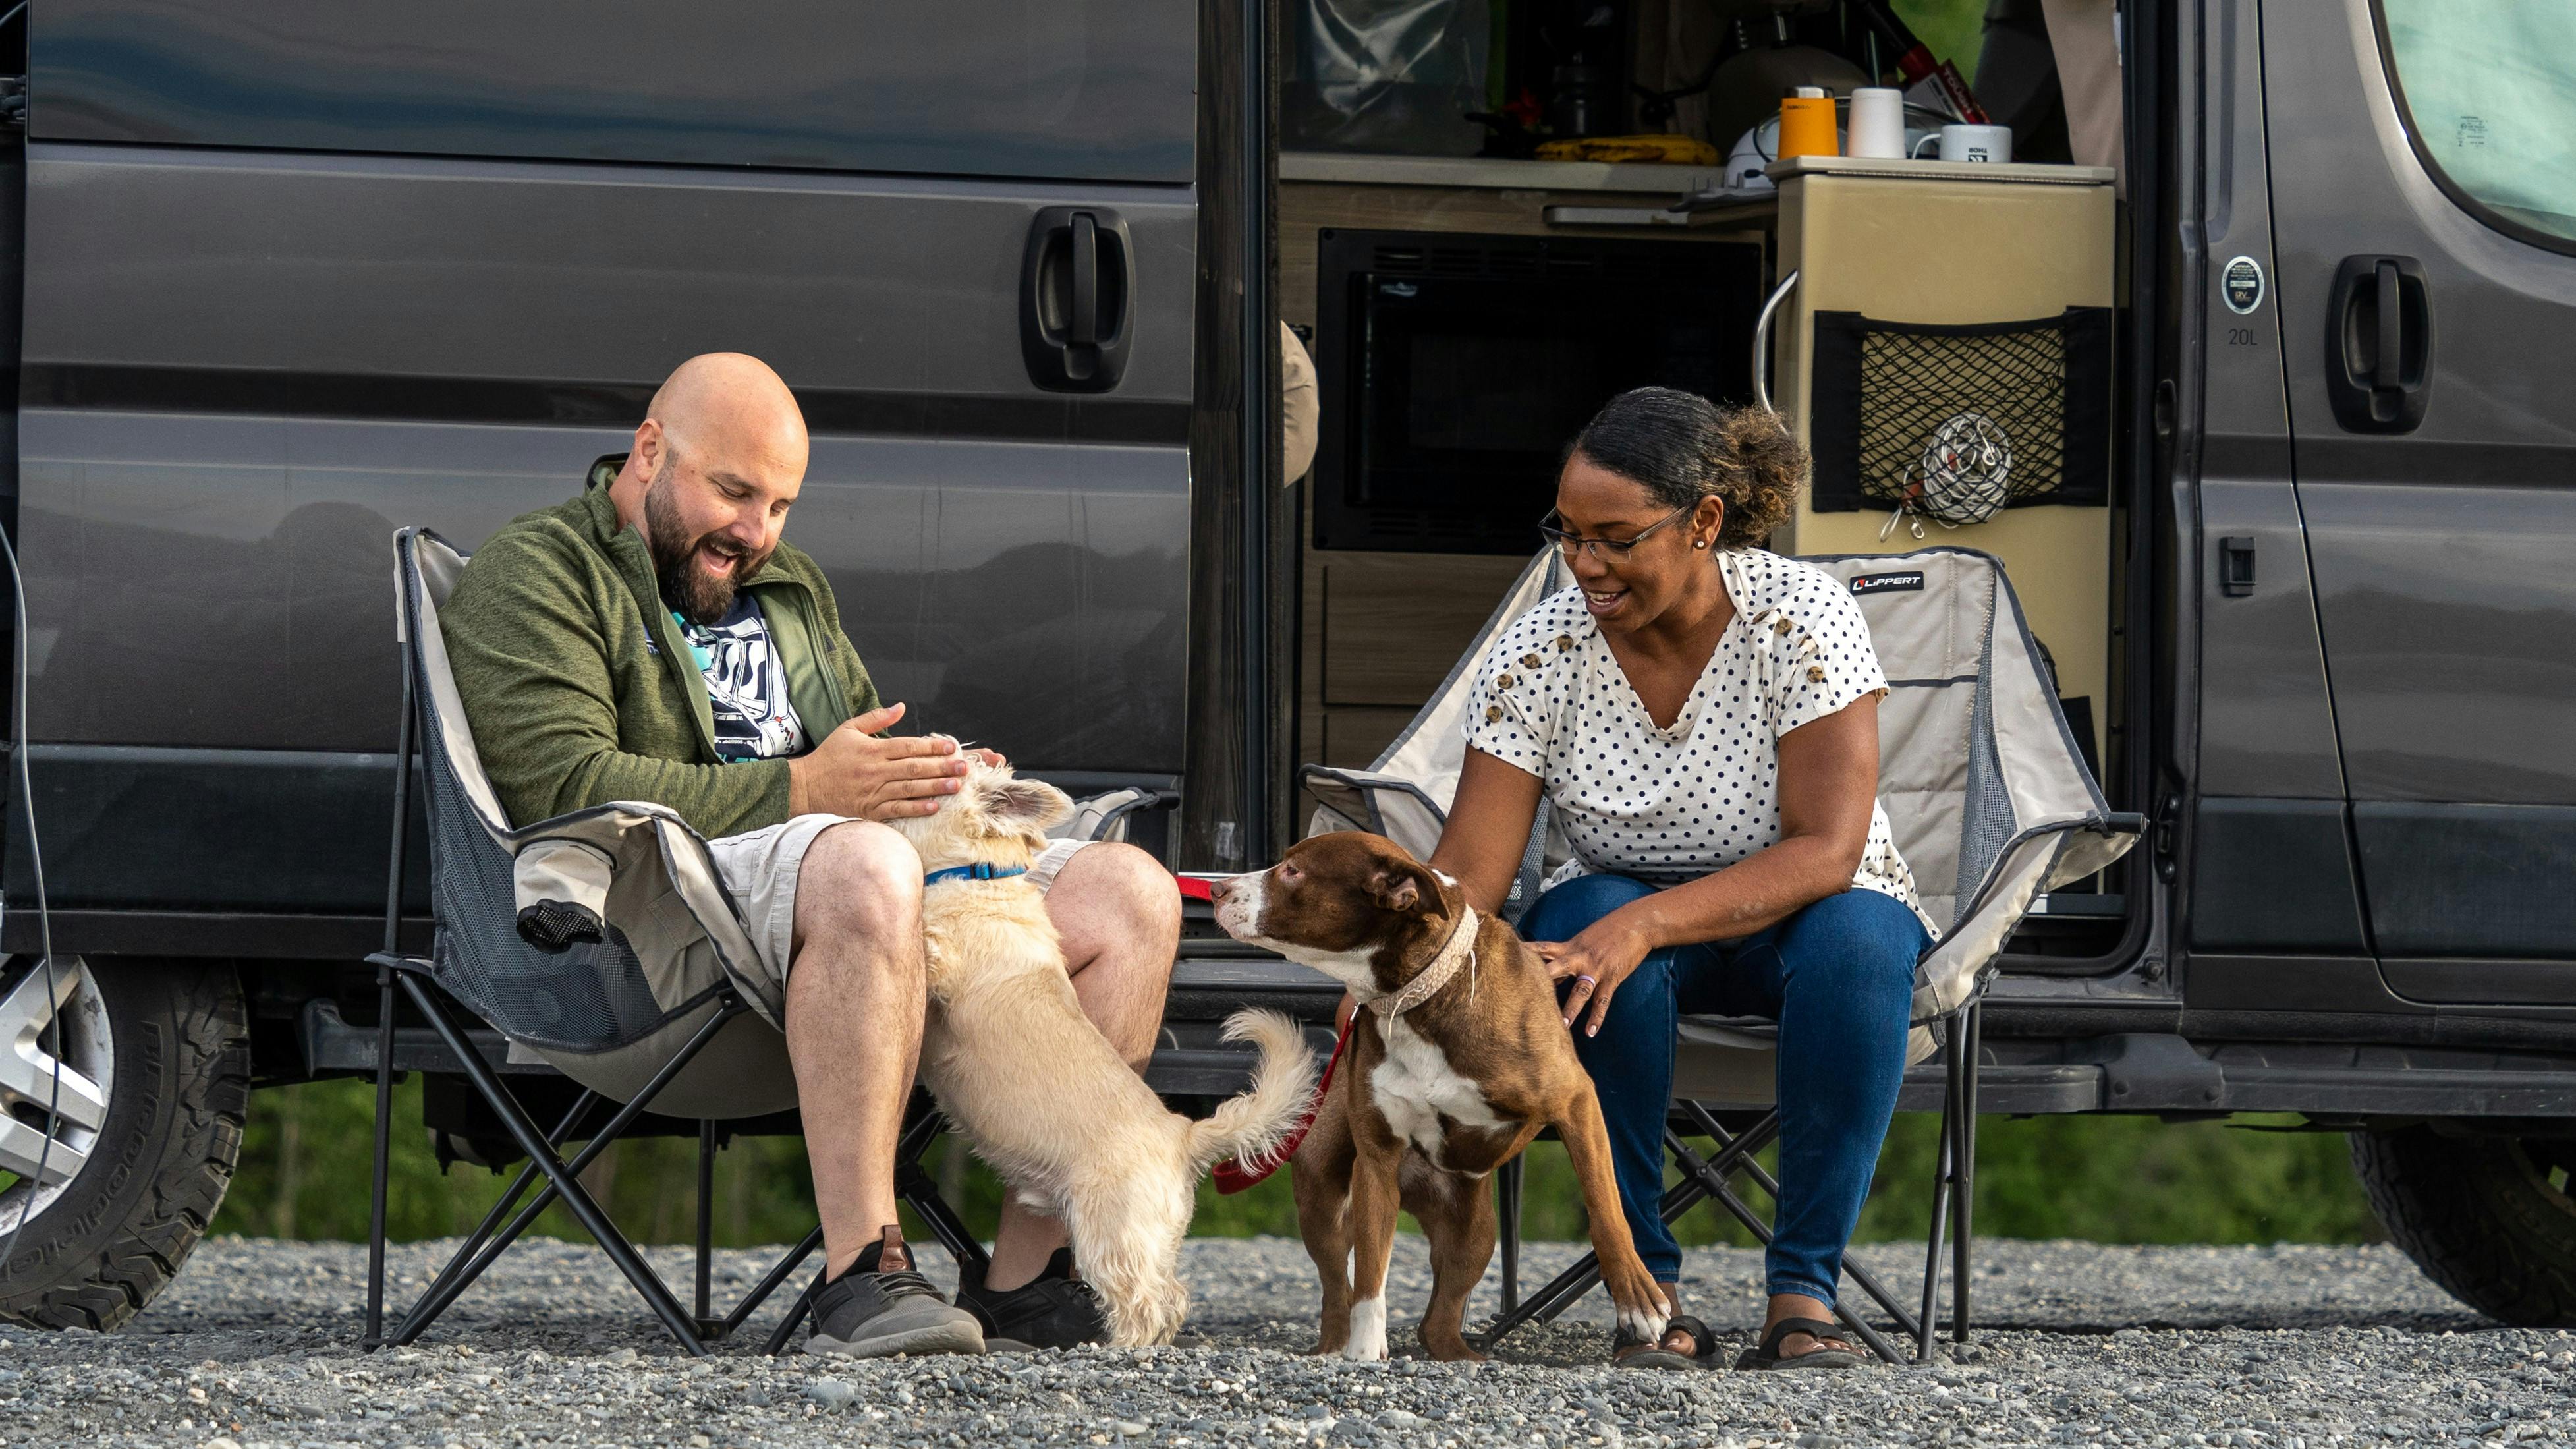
{"x":35,"y":858}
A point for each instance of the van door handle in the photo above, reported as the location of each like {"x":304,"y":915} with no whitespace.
{"x":1077,"y":285}
{"x":2379,"y":345}
{"x":1084,"y":328}
{"x":2391,"y":330}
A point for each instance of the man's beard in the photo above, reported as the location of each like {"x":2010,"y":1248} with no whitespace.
{"x":690,"y":591}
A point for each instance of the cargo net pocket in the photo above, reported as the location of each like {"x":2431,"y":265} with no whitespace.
{"x":1956,"y":423}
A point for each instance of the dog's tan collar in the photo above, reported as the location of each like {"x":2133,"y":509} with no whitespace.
{"x":1458,"y":950}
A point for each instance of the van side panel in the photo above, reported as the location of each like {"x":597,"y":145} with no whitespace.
{"x":2440,"y":539}
{"x":893,"y":302}
{"x":2272,"y":866}
{"x":245,"y":370}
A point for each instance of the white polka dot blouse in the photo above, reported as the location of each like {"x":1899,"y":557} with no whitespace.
{"x":1672,"y":805}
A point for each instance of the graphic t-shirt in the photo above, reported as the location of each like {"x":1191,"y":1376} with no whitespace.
{"x":745,"y":684}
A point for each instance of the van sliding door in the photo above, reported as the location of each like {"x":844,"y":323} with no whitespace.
{"x":2423,"y":189}
{"x":303,"y":272}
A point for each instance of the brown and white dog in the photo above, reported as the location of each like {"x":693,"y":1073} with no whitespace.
{"x":1458,"y":1058}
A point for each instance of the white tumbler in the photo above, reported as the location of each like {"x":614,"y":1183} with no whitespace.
{"x":1877,"y":123}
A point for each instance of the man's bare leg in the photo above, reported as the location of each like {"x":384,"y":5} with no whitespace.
{"x":855,"y":997}
{"x":1120,"y":918}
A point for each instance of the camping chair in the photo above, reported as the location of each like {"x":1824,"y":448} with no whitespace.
{"x":1990,"y":804}
{"x":522,"y":942}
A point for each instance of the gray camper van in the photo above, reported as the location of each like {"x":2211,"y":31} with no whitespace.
{"x":292,"y":276}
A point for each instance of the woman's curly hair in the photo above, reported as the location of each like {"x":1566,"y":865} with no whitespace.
{"x":1680,"y":448}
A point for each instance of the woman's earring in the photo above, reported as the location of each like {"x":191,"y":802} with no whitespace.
{"x":1699,"y":543}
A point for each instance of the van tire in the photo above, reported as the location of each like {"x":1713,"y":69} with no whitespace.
{"x":119,"y":1232}
{"x":2480,"y":1216}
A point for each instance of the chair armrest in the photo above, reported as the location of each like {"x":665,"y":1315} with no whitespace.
{"x":1105,"y":817}
{"x":1388,"y":805}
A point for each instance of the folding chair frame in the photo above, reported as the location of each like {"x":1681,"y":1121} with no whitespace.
{"x":416,"y":977}
{"x":1953,"y":1195}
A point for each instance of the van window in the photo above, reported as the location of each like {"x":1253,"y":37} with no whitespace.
{"x":2489,"y":98}
{"x":1098,"y":90}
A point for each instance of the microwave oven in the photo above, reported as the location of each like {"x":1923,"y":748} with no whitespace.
{"x":1453,"y":370}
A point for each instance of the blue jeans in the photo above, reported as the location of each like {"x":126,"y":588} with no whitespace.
{"x":1839,"y":978}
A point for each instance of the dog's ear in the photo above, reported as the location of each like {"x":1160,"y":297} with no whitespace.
{"x":1402,"y":886}
{"x":1033,"y":804}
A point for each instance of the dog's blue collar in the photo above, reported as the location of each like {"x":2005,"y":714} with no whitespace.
{"x":980,"y":870}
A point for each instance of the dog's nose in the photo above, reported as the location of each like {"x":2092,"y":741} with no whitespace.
{"x":1222,"y":884}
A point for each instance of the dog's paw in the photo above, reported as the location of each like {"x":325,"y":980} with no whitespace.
{"x":1644,"y":1325}
{"x":1367,"y":1343}
{"x":1643,"y":1308}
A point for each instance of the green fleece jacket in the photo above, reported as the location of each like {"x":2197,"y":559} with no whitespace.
{"x":581,"y":690}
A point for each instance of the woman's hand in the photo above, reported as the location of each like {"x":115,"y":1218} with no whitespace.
{"x":1600,"y":960}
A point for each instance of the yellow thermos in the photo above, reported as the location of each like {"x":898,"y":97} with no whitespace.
{"x":1807,"y":124}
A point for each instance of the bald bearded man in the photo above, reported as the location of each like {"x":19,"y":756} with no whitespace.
{"x":657,"y":639}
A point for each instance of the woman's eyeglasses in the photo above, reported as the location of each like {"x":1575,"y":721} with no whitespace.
{"x":1612,"y":549}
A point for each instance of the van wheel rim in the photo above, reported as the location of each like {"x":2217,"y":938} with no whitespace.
{"x":57,"y":1068}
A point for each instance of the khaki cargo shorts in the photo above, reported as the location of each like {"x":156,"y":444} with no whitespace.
{"x":744,"y":1071}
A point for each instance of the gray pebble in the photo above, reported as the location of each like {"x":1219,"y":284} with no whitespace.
{"x":2250,"y":1348}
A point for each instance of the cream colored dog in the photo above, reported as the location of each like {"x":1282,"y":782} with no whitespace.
{"x":1042,"y":1095}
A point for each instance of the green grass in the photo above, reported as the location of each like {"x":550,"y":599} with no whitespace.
{"x":304,"y":1174}
{"x":2107,"y":1179}
{"x":1954,"y":30}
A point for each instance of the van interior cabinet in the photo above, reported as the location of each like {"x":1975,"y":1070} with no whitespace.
{"x":1892,"y":243}
{"x":1383,"y":626}
{"x":1920,"y":242}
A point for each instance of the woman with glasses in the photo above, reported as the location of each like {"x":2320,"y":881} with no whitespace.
{"x":1702,"y":716}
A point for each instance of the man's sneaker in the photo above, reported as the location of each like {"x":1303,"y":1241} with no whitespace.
{"x":880,"y":1306}
{"x":1052,"y":1310}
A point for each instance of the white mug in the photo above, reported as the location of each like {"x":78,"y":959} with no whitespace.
{"x":1962,"y":142}
{"x":1877,"y":123}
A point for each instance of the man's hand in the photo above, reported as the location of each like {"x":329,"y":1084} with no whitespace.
{"x":854,"y":773}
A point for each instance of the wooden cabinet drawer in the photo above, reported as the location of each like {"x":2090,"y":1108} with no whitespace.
{"x":1394,"y":624}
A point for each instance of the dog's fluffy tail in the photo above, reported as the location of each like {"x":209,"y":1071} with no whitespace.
{"x":1250,"y":1128}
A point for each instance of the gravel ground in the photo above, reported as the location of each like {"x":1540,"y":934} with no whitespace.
{"x":2297,"y":1347}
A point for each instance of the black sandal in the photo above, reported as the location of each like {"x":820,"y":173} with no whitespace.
{"x":1701,"y":1344}
{"x":1766,"y":1355}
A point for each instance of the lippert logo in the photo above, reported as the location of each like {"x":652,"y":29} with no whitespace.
{"x":1887,"y":583}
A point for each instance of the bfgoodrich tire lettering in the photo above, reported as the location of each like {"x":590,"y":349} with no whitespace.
{"x":117,"y":1234}
{"x":2488,"y":1218}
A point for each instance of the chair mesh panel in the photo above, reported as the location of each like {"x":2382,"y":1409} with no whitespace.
{"x":1986,"y":824}
{"x":590,"y":998}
